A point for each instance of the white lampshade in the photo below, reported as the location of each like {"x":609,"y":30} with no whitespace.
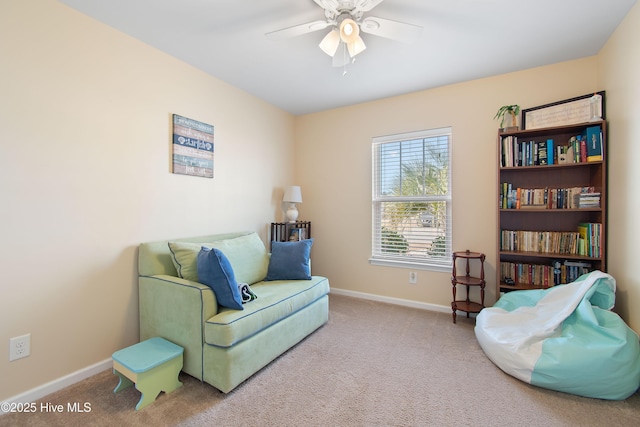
{"x":349,"y":31}
{"x":292,"y":194}
{"x":330,"y":42}
{"x":356,"y":47}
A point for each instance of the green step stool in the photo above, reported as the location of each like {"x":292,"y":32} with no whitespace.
{"x":153,"y":365}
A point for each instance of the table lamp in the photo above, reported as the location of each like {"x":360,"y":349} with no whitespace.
{"x":292,"y":196}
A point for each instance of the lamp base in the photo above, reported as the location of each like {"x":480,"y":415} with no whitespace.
{"x":292,"y":213}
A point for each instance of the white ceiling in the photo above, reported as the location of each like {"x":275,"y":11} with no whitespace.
{"x":462,"y":40}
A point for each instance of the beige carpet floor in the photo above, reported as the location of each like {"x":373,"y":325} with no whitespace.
{"x":373,"y":364}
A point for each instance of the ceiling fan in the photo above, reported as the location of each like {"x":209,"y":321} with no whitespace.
{"x":346,"y":19}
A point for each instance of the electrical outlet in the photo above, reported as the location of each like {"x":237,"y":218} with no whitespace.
{"x":19,"y":347}
{"x":413,"y":277}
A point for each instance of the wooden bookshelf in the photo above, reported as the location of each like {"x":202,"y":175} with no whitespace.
{"x":541,"y":206}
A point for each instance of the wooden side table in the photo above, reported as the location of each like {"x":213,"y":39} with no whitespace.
{"x":467,"y":280}
{"x":290,"y":231}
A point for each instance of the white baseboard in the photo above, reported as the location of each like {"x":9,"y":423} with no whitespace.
{"x":391,"y":300}
{"x":60,"y":383}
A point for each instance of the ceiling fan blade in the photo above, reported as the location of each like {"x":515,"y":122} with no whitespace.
{"x":366,"y":5}
{"x":389,"y":29}
{"x":330,"y":5}
{"x":297,"y":30}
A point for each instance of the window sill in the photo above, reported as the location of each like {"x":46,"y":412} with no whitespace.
{"x":444,"y":267}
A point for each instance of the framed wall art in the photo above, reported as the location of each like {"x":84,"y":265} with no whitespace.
{"x":581,"y":109}
{"x":192,"y":147}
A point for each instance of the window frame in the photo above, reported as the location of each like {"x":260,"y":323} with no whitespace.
{"x":441,"y":264}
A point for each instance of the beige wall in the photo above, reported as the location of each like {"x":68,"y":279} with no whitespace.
{"x":84,"y":139}
{"x":338,"y":180}
{"x":619,"y":74}
{"x":85,"y":115}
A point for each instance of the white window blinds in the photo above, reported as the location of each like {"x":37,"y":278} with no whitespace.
{"x":412,"y":199}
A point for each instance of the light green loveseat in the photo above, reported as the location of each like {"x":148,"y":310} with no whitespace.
{"x":224,"y":347}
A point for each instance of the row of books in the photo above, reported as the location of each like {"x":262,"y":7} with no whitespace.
{"x":542,"y":275}
{"x":548,"y":198}
{"x":581,"y":148}
{"x":550,"y":242}
{"x":587,"y":241}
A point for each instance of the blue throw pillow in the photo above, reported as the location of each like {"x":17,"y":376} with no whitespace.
{"x":290,"y":260}
{"x":214,"y":270}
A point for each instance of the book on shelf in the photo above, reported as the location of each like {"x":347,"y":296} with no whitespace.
{"x":542,"y":153}
{"x":578,"y":149}
{"x":594,"y":143}
{"x":591,"y":236}
{"x":574,"y":143}
{"x":587,"y":200}
{"x":566,"y":154}
{"x":506,"y":151}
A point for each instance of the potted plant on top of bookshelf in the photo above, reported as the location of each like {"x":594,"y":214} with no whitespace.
{"x":508,"y":113}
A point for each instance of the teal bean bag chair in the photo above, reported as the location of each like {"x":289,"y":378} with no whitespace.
{"x":564,"y":338}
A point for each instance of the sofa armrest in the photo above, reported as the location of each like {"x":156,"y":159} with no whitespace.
{"x":176,"y":309}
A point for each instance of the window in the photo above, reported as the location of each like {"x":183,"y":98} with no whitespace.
{"x":412,"y":200}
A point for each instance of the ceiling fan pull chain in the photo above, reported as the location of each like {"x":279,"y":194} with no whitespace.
{"x":344,"y":59}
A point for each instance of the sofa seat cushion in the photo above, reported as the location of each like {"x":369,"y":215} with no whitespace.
{"x":276,"y":300}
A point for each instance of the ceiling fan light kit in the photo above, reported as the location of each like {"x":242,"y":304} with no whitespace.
{"x":346,"y":21}
{"x":349,"y":33}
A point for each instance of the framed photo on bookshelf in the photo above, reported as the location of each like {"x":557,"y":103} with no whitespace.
{"x":580,"y":109}
{"x":297,"y":234}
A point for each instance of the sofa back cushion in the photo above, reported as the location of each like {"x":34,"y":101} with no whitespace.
{"x":246,"y":254}
{"x":155,"y":258}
